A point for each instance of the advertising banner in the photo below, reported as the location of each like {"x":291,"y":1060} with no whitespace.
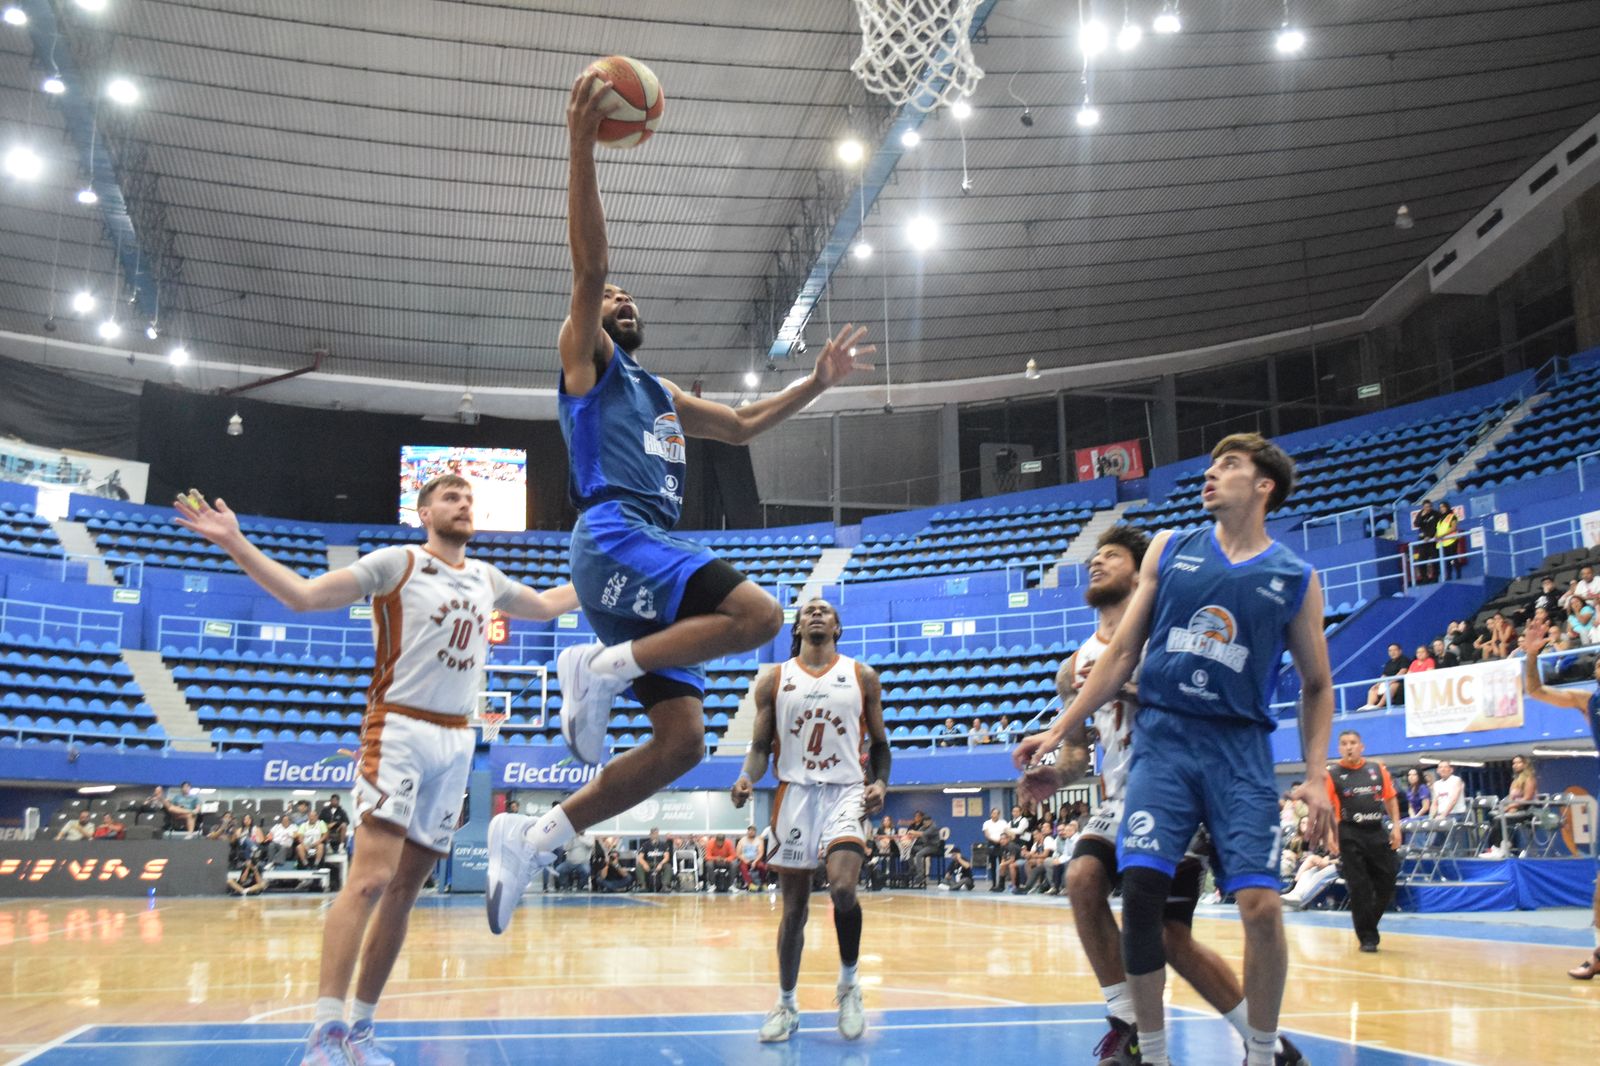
{"x":1121,"y":459}
{"x":39,"y":868}
{"x":69,"y":471}
{"x":1464,"y":699}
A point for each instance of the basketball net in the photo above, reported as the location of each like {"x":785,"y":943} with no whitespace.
{"x":490,"y":722}
{"x":917,"y":52}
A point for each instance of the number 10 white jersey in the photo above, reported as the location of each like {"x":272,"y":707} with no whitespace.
{"x":819,"y":723}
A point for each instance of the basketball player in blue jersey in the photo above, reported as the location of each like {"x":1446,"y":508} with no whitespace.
{"x":1534,"y":637}
{"x":660,"y":605}
{"x":1212,"y":613}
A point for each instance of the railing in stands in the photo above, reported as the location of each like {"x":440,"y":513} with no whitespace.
{"x":1581,"y":461}
{"x":132,"y":567}
{"x":880,"y":640}
{"x":1529,"y":546}
{"x":264,"y":639}
{"x":1369,"y":513}
{"x":47,"y":620}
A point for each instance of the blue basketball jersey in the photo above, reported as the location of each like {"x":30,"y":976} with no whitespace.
{"x":624,"y":442}
{"x":1218,"y":631}
{"x":1594,"y":716}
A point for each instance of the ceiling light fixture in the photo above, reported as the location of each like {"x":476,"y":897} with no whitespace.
{"x":235,"y":425}
{"x":153,"y":331}
{"x":15,"y":16}
{"x":922,"y":232}
{"x":109,"y":330}
{"x":861,"y":250}
{"x":1169,"y":21}
{"x":1087,"y":115}
{"x":1129,"y":36}
{"x":910,"y":139}
{"x":751,"y":379}
{"x":1093,"y":38}
{"x":1290,"y":40}
{"x":53,"y":85}
{"x":179,"y":356}
{"x":1402,"y":217}
{"x":23,"y":163}
{"x":851,"y":151}
{"x":92,"y":5}
{"x":467,"y":410}
{"x":122,"y":91}
{"x":961,"y":110}
{"x":83,"y":302}
{"x":87,"y":195}
{"x":1031,"y":371}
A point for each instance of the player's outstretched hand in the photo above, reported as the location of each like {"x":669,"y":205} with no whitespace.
{"x":740,"y":793}
{"x":1039,"y":783}
{"x":1534,"y":636}
{"x":841,"y":356}
{"x":873,"y":797}
{"x":1319,"y":809}
{"x":1029,"y":750}
{"x":588,"y":105}
{"x":212,"y":521}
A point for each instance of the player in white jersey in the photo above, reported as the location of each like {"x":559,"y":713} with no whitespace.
{"x":811,"y":712}
{"x":430,"y":614}
{"x":1092,"y":874}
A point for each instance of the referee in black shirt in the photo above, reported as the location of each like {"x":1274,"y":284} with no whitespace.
{"x":1363,"y":799}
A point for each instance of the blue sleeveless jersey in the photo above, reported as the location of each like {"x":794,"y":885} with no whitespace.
{"x":1218,"y":631}
{"x":1594,"y":716}
{"x":624,"y":442}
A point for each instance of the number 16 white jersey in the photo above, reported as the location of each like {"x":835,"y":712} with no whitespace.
{"x":819,"y":722}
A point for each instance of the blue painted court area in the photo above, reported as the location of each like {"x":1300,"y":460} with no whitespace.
{"x":1064,"y":1033}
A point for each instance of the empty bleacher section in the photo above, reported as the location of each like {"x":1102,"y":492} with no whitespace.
{"x":1369,"y":468}
{"x":62,"y":691}
{"x":1556,"y":434}
{"x":150,"y":535}
{"x":1011,"y":685}
{"x":24,"y":533}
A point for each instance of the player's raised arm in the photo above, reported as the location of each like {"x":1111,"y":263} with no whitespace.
{"x":525,"y":602}
{"x":1113,"y":669}
{"x":219,"y":525}
{"x":878,"y":758}
{"x":766,"y":728}
{"x":1534,"y":637}
{"x":1308,"y":645}
{"x":717,"y":421}
{"x":582,"y":339}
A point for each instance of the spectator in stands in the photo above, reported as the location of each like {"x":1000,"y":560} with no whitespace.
{"x":1038,"y":857}
{"x":247,"y":882}
{"x":183,"y":809}
{"x":1066,"y":841}
{"x":1423,"y":553}
{"x":1022,"y":823}
{"x":312,"y":847}
{"x":1460,"y":636}
{"x":81,"y":828}
{"x":993,"y":830}
{"x":338,"y":822}
{"x":958,"y":872}
{"x":1010,"y":856}
{"x":1389,"y":693}
{"x":1419,"y":797}
{"x":1004,"y":731}
{"x":1315,"y":869}
{"x":1514,"y":810}
{"x":513,"y":807}
{"x":109,"y":828}
{"x":1580,"y":628}
{"x":1498,"y":638}
{"x":1423,"y":661}
{"x":1444,"y":655}
{"x":1449,"y":792}
{"x":227,"y":831}
{"x":613,"y":878}
{"x":574,"y":869}
{"x":977,"y":733}
{"x":1452,"y":546}
{"x":282,"y":840}
{"x":653,"y":863}
{"x":301,"y":813}
{"x":722,"y":863}
{"x":1549,"y":597}
{"x":1586,"y":588}
{"x":250,"y":838}
{"x":945,"y":735}
{"x":752,"y":871}
{"x":926,"y":845}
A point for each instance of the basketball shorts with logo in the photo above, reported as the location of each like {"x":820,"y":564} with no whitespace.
{"x":809,"y":821}
{"x":413,"y":774}
{"x":630,"y":575}
{"x":1188,"y":771}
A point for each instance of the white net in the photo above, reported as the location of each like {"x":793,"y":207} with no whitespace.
{"x":917,"y":52}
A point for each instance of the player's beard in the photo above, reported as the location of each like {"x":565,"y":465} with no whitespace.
{"x":1107,"y":595}
{"x":629,"y":340}
{"x":447,"y":531}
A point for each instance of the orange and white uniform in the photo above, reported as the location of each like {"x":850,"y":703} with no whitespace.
{"x":820,"y":802}
{"x":430,"y":624}
{"x":1113,"y":726}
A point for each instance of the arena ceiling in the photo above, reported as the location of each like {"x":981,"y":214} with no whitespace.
{"x":386,"y":181}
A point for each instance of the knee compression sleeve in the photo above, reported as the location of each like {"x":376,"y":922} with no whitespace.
{"x":1144,"y":899}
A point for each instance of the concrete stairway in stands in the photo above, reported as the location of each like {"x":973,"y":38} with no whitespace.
{"x":165,"y":698}
{"x":77,"y":541}
{"x":1082,"y":549}
{"x":1469,"y":462}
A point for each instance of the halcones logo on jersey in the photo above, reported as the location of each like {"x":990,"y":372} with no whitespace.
{"x":1210,"y":635}
{"x":665,"y":439}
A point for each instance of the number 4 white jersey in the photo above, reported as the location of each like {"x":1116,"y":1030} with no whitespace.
{"x":819,"y":724}
{"x":1113,"y":722}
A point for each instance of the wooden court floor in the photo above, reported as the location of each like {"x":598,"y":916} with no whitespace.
{"x":1440,"y":991}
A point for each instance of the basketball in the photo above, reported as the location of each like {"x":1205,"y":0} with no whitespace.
{"x":639,"y":101}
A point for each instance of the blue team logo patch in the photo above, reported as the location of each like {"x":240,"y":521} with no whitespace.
{"x":1212,"y":633}
{"x":665,"y":439}
{"x":1215,"y":623}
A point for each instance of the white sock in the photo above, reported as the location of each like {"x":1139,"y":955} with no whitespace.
{"x":1260,"y":1046}
{"x":1119,"y":1001}
{"x":847,"y":974}
{"x":362,"y":1011}
{"x":329,"y":1009}
{"x":786,"y":997}
{"x":617,"y":661}
{"x":551,"y":831}
{"x":1597,"y":938}
{"x":1153,"y":1048}
{"x":1239,"y":1018}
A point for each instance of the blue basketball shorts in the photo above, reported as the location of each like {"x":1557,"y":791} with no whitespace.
{"x":1187,"y":771}
{"x":630,"y":575}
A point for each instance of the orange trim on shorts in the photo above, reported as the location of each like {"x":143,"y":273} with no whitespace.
{"x":371,"y":744}
{"x":777,"y":805}
{"x":836,"y":841}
